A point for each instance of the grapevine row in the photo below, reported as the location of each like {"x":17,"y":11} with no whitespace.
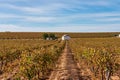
{"x":99,"y":55}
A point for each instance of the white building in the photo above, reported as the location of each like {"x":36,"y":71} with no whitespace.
{"x":118,"y":35}
{"x":65,"y":37}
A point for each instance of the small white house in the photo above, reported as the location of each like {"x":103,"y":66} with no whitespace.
{"x":118,"y":35}
{"x":65,"y":37}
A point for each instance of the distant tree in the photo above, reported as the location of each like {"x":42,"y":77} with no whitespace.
{"x":51,"y":35}
{"x":115,"y":35}
{"x":45,"y":35}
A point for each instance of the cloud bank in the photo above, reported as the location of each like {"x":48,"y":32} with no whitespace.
{"x":60,"y":15}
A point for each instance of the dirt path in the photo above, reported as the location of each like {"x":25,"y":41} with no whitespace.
{"x":66,"y":68}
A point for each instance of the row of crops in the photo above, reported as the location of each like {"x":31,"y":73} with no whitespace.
{"x":28,"y":59}
{"x":99,"y":56}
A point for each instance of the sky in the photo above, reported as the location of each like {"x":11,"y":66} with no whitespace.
{"x":60,"y":15}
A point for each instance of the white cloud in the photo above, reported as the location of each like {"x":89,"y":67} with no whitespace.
{"x":99,"y":17}
{"x":97,"y":3}
{"x":108,"y":19}
{"x":14,"y":0}
{"x":23,"y":8}
{"x":8,"y":16}
{"x":39,"y":19}
{"x":14,"y":28}
{"x":95,"y":15}
{"x":65,"y":28}
{"x":9,"y":27}
{"x":55,"y":5}
{"x":33,"y":19}
{"x":42,"y":9}
{"x":89,"y":28}
{"x":6,"y":26}
{"x":58,"y":12}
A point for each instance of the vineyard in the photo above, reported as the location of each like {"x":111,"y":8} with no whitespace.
{"x":38,"y":35}
{"x":28,"y":59}
{"x":37,"y":59}
{"x":98,"y":58}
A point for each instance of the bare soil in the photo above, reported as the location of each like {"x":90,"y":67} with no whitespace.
{"x":67,"y":68}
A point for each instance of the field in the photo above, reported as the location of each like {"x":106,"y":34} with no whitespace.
{"x":28,"y":59}
{"x":91,"y":56}
{"x":98,"y":58}
{"x":38,"y":35}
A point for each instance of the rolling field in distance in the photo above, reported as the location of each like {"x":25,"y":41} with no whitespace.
{"x":38,"y":35}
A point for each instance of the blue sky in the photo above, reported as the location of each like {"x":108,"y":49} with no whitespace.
{"x":60,"y":15}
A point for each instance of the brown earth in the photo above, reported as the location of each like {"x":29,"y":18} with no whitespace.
{"x":67,"y":68}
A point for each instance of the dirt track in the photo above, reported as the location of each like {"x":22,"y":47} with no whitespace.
{"x":66,"y":68}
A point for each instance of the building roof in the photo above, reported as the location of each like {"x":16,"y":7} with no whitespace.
{"x":66,"y":35}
